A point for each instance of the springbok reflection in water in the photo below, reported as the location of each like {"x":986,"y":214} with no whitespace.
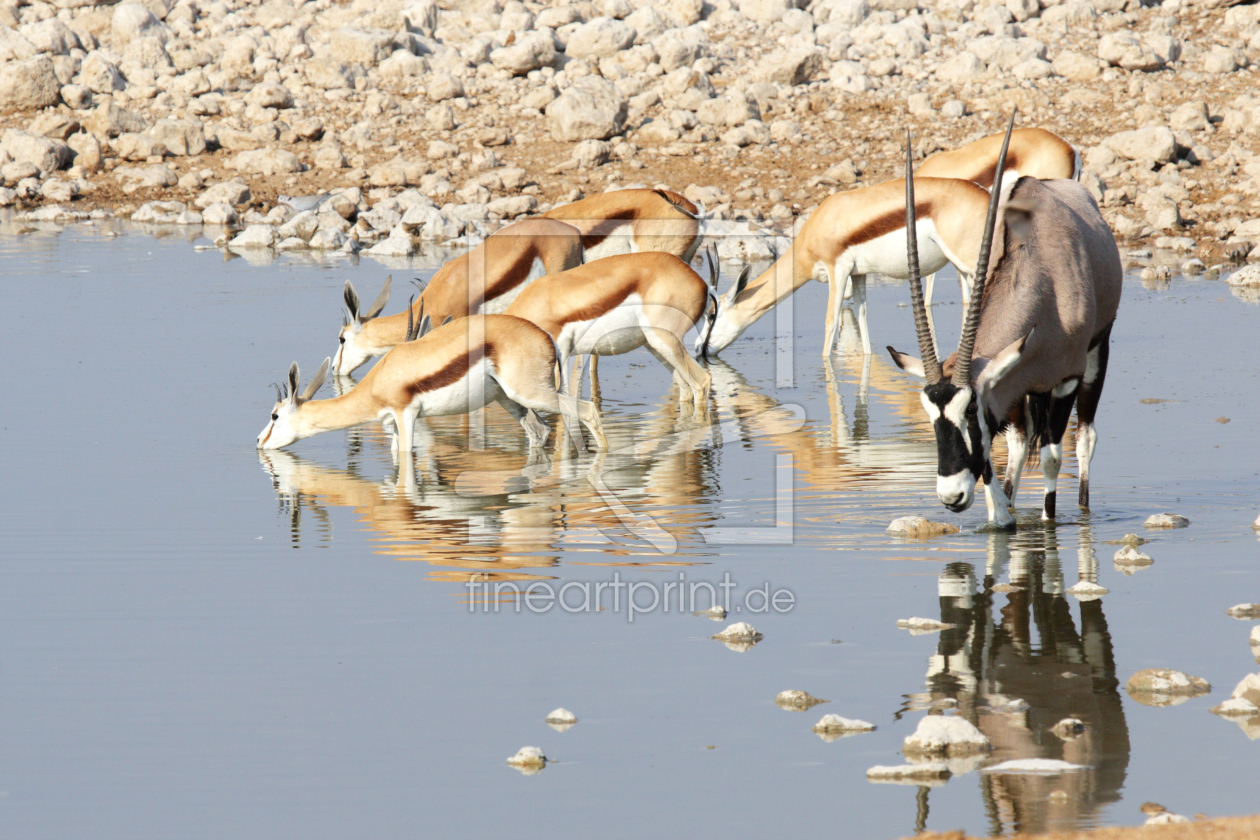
{"x":1037,"y":651}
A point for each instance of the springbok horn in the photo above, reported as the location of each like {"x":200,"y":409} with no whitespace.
{"x":381,"y":300}
{"x":279,"y":392}
{"x":927,"y":350}
{"x":967,"y":343}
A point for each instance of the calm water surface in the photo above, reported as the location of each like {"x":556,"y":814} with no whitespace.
{"x":197,"y":640}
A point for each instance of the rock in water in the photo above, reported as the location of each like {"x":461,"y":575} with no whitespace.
{"x":528,"y":760}
{"x":919,"y":527}
{"x":561,"y":720}
{"x":738,"y":632}
{"x":797,"y":701}
{"x":1166,"y":520}
{"x":1130,"y":561}
{"x":1165,"y":687}
{"x":1166,"y":818}
{"x":1245,"y":612}
{"x":712,"y":613}
{"x":1255,"y":642}
{"x":919,"y":626}
{"x":928,"y":774}
{"x":942,"y":735}
{"x":839,"y":727}
{"x":1087,"y":590}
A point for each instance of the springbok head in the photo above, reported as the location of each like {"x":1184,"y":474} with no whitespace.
{"x":719,"y":328}
{"x":286,"y":425}
{"x":352,"y":350}
{"x":956,"y":406}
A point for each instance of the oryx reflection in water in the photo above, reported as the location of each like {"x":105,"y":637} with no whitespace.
{"x":1027,"y":644}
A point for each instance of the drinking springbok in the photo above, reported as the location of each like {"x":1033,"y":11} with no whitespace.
{"x":485,"y":280}
{"x":633,"y":221}
{"x":1035,"y":341}
{"x":455,"y":368}
{"x":853,"y":234}
{"x":617,"y":304}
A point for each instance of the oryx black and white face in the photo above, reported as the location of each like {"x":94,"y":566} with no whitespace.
{"x":961,"y":442}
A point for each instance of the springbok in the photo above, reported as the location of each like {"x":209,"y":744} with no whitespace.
{"x":455,"y":368}
{"x":617,"y":304}
{"x":1033,"y":151}
{"x":1035,"y":341}
{"x":853,"y":234}
{"x":635,"y":220}
{"x":483,"y":281}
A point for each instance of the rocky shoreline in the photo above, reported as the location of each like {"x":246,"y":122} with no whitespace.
{"x":400,"y":123}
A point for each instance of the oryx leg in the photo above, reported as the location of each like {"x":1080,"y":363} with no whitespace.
{"x":994,"y":496}
{"x":1016,"y":448}
{"x":1063,"y":397}
{"x":669,"y":349}
{"x":1087,"y":406}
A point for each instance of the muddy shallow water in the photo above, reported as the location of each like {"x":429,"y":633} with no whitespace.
{"x":199,"y":641}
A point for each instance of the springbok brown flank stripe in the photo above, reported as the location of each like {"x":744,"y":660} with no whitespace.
{"x":890,"y":221}
{"x":454,"y":371}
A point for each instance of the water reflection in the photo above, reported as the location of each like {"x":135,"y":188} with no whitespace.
{"x":1018,"y":673}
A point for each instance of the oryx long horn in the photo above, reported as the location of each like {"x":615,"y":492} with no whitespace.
{"x":927,"y":350}
{"x":967,"y":343}
{"x":381,"y":300}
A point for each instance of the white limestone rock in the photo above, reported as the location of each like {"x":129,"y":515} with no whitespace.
{"x":837,"y":724}
{"x":919,"y":527}
{"x":1166,"y":520}
{"x":946,"y":735}
{"x":601,"y":37}
{"x":927,"y":774}
{"x":1087,"y":590}
{"x":920,"y":626}
{"x":592,"y":108}
{"x":254,"y":236}
{"x":1165,"y":687}
{"x":528,"y":760}
{"x":28,"y":84}
{"x":797,"y":701}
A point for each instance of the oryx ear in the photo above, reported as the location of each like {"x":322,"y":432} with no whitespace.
{"x":909,"y":364}
{"x":741,"y":283}
{"x":1018,"y":213}
{"x":381,"y":300}
{"x":351,"y":298}
{"x":1001,"y":364}
{"x":317,"y":380}
{"x":295,"y":376}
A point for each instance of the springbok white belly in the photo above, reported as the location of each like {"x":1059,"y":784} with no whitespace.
{"x":620,"y":241}
{"x":887,"y":254}
{"x":611,"y":334}
{"x":499,"y":305}
{"x":474,"y":391}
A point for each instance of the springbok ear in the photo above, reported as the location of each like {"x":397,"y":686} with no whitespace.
{"x":909,"y":364}
{"x":381,"y":300}
{"x":317,"y":380}
{"x":741,"y":283}
{"x":426,"y":324}
{"x":351,"y":298}
{"x":1001,"y":364}
{"x":447,"y":319}
{"x":295,"y":376}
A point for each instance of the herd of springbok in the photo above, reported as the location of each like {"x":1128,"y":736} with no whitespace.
{"x":1039,"y":270}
